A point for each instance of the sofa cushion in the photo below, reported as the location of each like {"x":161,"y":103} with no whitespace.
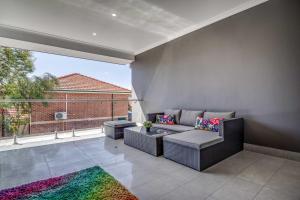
{"x":188,"y":117}
{"x":174,"y":112}
{"x":165,"y":119}
{"x":225,"y":115}
{"x":176,"y":127}
{"x":212,"y":124}
{"x":197,"y":139}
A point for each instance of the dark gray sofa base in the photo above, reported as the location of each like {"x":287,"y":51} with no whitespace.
{"x":114,"y":133}
{"x":115,"y":129}
{"x":195,"y":158}
{"x":200,"y":159}
{"x":182,"y":154}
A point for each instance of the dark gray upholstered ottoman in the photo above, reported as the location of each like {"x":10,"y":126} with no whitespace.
{"x":149,"y":142}
{"x":115,"y":129}
{"x":187,"y":147}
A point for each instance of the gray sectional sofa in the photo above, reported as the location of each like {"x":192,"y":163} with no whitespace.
{"x":200,"y":149}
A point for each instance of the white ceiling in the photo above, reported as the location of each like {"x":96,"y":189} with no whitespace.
{"x":139,"y":25}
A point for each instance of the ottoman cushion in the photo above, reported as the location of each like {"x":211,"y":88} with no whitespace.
{"x":197,"y":139}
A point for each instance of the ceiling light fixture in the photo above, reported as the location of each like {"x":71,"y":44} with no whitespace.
{"x":94,"y":34}
{"x":114,"y":14}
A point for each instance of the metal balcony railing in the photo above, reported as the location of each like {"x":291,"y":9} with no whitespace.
{"x":54,"y":116}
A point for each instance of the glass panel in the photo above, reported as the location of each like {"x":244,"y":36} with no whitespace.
{"x":61,"y":115}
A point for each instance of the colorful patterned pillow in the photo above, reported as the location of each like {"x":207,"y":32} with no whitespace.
{"x":165,"y":119}
{"x":212,"y":124}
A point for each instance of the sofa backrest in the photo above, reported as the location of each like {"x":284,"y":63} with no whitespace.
{"x":225,"y":115}
{"x":188,"y":117}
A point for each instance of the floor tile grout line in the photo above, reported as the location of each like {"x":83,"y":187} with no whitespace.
{"x":49,"y":170}
{"x":180,"y":186}
{"x":264,"y":185}
{"x":92,"y":160}
{"x":164,"y":194}
{"x":235,"y":176}
{"x":72,"y":162}
{"x":161,"y":179}
{"x":186,"y":182}
{"x":221,"y":186}
{"x":85,"y":155}
{"x":140,"y":185}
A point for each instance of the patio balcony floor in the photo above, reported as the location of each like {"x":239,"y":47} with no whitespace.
{"x":48,"y":138}
{"x":246,"y":175}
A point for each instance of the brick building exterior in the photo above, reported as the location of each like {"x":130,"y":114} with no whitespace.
{"x":87,"y":101}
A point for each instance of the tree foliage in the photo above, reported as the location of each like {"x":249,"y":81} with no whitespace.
{"x":17,"y":83}
{"x":14,"y":64}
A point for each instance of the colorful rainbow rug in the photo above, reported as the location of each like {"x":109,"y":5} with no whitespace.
{"x":89,"y":184}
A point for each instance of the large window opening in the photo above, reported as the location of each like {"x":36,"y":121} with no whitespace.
{"x":45,"y":94}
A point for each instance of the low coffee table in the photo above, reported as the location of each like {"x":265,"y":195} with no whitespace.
{"x":149,"y":142}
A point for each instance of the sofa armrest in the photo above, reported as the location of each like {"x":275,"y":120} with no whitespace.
{"x":152,"y":116}
{"x":232,"y":131}
{"x":232,"y":128}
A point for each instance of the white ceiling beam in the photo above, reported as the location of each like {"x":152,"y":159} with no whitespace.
{"x":24,"y":39}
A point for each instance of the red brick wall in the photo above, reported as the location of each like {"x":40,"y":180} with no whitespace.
{"x":81,"y":114}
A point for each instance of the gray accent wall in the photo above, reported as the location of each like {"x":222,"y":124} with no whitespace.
{"x":248,"y":63}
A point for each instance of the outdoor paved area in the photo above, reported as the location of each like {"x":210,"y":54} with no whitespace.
{"x":246,"y":175}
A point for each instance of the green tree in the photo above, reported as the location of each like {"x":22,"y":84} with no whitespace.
{"x":17,"y":85}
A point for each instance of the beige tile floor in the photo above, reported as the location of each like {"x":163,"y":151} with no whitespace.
{"x":246,"y":175}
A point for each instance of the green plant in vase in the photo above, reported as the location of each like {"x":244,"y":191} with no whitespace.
{"x":148,"y":125}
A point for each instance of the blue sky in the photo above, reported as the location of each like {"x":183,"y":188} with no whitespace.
{"x":62,"y":65}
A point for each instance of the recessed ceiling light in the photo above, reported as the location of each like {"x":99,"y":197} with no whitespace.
{"x":114,"y":14}
{"x":94,"y":34}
